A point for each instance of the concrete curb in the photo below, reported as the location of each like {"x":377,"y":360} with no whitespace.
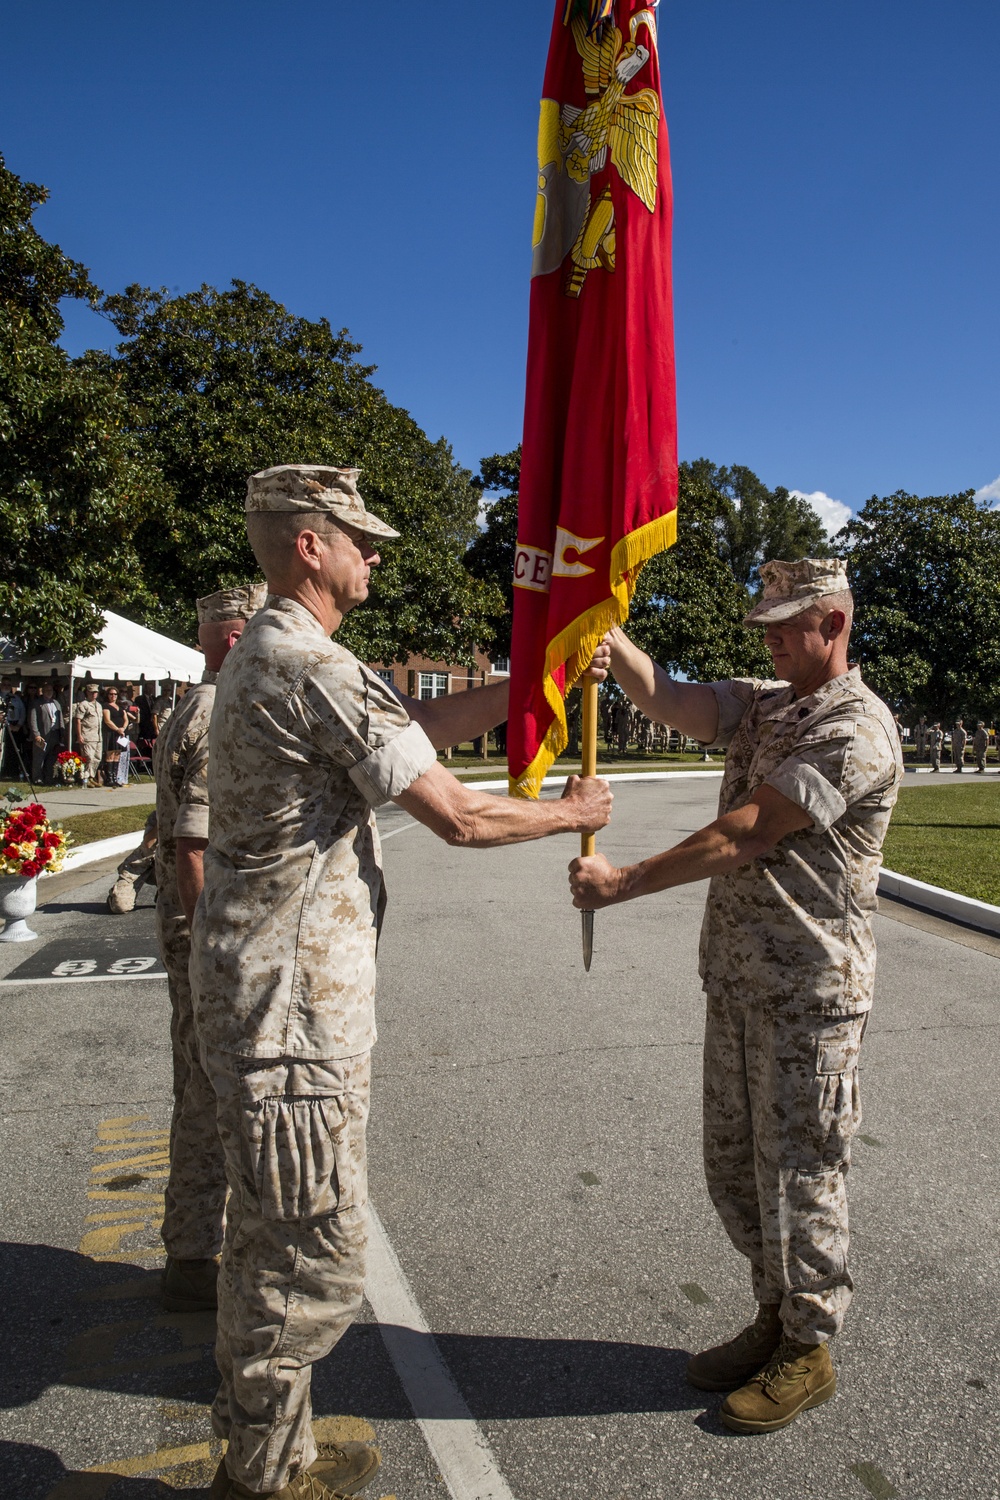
{"x":943,"y":903}
{"x":89,"y":854}
{"x":555,"y":781}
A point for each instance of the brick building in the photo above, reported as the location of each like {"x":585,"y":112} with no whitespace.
{"x":420,"y":677}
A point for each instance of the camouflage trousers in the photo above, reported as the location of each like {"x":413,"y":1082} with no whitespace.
{"x":293,"y":1263}
{"x":195,"y":1197}
{"x":91,"y":752}
{"x":781,"y":1104}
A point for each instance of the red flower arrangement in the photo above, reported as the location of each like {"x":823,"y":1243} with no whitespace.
{"x":29,"y":845}
{"x":69,"y":765}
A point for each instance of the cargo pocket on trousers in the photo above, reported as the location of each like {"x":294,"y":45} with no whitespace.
{"x":813,"y":1229}
{"x":299,"y":1155}
{"x":838,"y":1048}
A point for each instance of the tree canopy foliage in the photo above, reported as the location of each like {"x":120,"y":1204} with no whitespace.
{"x":926,"y":578}
{"x":72,"y":490}
{"x":689,"y":603}
{"x":491,"y":556}
{"x":220,"y":384}
{"x":123,"y":475}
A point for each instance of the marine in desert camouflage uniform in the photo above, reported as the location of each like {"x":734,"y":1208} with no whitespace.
{"x":959,"y":740}
{"x":305,"y":743}
{"x":787,"y":960}
{"x":980,"y":746}
{"x":935,"y":741}
{"x":137,"y":869}
{"x":194,"y":1210}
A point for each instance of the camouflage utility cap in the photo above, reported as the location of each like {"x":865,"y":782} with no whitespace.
{"x":313,"y":487}
{"x":232,"y":604}
{"x":792,"y":587}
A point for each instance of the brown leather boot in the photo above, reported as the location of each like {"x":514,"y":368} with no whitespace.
{"x":797,"y":1377}
{"x":190,"y":1285}
{"x":726,"y":1366}
{"x":343,"y":1469}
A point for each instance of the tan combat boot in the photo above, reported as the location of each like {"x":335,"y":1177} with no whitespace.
{"x":797,"y":1377}
{"x":726,"y":1366}
{"x":343,"y":1469}
{"x":190,"y":1285}
{"x":121,"y":897}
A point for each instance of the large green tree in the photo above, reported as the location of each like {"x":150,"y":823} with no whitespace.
{"x":223,"y":383}
{"x":491,"y":556}
{"x":926,"y":578}
{"x":72,"y":490}
{"x":689,"y":603}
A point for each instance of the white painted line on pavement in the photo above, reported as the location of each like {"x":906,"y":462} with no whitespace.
{"x":462,"y":1454}
{"x":393,"y":831}
{"x":15,"y":983}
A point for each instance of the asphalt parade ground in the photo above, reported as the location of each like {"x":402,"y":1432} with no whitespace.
{"x":544,"y":1254}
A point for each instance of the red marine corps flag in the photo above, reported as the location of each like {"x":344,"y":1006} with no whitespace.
{"x":598,"y":493}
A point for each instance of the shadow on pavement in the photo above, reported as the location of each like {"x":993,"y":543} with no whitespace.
{"x":35,"y":1473}
{"x":69,"y":1320}
{"x":82,"y":908}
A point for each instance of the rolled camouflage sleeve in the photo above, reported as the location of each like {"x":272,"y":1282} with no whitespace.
{"x":734,"y":696}
{"x":191,"y":821}
{"x":360,"y":723}
{"x":835,"y":765}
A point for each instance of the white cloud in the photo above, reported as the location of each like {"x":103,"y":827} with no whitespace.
{"x":990,"y":491}
{"x":833,"y":513}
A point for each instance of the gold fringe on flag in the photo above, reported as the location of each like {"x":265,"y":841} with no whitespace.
{"x":578,"y":642}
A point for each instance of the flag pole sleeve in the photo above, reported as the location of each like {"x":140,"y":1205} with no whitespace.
{"x":589,"y":734}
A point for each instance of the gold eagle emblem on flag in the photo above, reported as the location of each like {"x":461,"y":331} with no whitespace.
{"x":574,"y":144}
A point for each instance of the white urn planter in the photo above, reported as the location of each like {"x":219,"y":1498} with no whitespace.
{"x":17,"y":901}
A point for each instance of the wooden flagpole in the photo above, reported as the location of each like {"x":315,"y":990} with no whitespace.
{"x":588,"y":842}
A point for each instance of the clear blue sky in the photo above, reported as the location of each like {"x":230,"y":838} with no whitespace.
{"x":837,"y":231}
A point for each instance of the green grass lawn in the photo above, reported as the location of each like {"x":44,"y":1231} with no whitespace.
{"x":948,"y":836}
{"x":86,"y":828}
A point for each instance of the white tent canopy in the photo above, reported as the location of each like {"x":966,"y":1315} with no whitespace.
{"x":128,"y":652}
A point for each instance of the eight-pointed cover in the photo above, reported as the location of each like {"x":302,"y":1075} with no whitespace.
{"x":598,"y":493}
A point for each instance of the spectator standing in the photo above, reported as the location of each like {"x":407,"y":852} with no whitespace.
{"x":920,"y":734}
{"x":959,"y":740}
{"x":623,"y":726}
{"x":88,"y":721}
{"x":46,"y":723}
{"x":162,"y":709}
{"x":935,"y":740}
{"x":146,"y":732}
{"x":116,"y":740}
{"x":980,"y":745}
{"x":16,"y":757}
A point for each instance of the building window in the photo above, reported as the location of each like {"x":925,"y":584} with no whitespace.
{"x":433,"y":685}
{"x":501,"y":667}
{"x":385,"y":673}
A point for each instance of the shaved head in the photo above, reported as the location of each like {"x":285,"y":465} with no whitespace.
{"x":843,"y":601}
{"x":216,"y":638}
{"x":273,"y":533}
